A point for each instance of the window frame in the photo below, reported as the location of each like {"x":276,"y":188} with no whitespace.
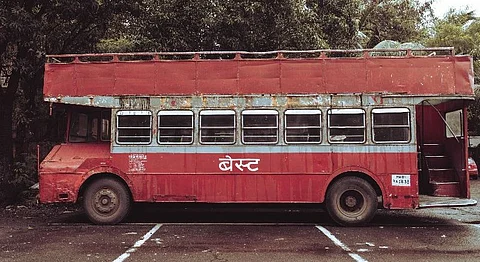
{"x":73,"y":123}
{"x":176,"y":113}
{"x":217,"y":112}
{"x":133,"y":113}
{"x":105,"y":121}
{"x":449,"y":129}
{"x":346,"y":111}
{"x":260,"y":112}
{"x":392,"y":110}
{"x":303,"y":112}
{"x":94,"y":126}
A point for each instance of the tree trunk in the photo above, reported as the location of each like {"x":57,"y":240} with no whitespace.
{"x":7,"y":96}
{"x":6,"y":142}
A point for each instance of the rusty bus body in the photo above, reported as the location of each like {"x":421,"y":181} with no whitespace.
{"x":355,"y":130}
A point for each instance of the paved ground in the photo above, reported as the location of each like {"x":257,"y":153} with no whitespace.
{"x":226,"y":233}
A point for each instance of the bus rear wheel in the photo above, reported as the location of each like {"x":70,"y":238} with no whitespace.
{"x":106,"y":201}
{"x":351,"y":201}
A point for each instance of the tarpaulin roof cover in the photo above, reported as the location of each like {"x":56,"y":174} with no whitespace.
{"x":430,"y":71}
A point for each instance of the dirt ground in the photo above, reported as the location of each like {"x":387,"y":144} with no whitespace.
{"x":28,"y":211}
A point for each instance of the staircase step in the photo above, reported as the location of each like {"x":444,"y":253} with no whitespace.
{"x":432,"y":149}
{"x":438,"y":162}
{"x":442,"y":175}
{"x":445,"y":189}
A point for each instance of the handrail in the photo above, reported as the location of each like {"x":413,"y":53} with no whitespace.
{"x":424,"y":160}
{"x":235,"y":55}
{"x":445,"y":121}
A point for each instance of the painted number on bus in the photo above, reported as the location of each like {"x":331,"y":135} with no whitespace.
{"x":136,"y":162}
{"x":400,"y":180}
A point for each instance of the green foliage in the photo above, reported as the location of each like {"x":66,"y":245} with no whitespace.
{"x":115,"y":45}
{"x":22,"y":172}
{"x":266,"y":25}
{"x":218,"y":25}
{"x":459,"y":29}
{"x":28,"y":30}
{"x":338,"y":21}
{"x":398,"y":20}
{"x":474,"y":115}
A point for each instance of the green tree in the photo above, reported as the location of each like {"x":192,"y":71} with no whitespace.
{"x":193,"y":25}
{"x":28,"y":30}
{"x":267,"y":25}
{"x":338,"y":22}
{"x":461,"y":29}
{"x":260,"y":25}
{"x":398,"y":20}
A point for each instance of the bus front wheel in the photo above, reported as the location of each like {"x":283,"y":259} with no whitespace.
{"x":351,"y":201}
{"x":106,"y":201}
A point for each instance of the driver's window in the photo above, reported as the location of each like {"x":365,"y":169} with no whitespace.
{"x":85,"y":128}
{"x":78,"y":127}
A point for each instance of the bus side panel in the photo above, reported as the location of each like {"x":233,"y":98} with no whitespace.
{"x":244,"y":178}
{"x":270,"y":177}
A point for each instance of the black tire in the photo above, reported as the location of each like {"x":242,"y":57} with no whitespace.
{"x":106,"y":201}
{"x":351,"y":201}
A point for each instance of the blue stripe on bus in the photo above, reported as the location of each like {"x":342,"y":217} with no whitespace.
{"x":407,"y":148}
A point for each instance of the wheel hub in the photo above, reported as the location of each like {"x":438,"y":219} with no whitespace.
{"x":105,"y":201}
{"x":350,"y":201}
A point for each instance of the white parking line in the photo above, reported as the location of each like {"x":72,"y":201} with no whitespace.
{"x":138,"y":244}
{"x":339,"y":243}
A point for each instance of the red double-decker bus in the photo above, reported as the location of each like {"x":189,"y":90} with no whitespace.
{"x":356,"y":130}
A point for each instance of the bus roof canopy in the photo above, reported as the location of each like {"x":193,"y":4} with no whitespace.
{"x":420,"y":72}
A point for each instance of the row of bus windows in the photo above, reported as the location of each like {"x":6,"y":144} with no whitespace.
{"x":262,"y":126}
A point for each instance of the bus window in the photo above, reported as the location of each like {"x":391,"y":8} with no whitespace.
{"x":93,"y":130}
{"x":175,"y":127}
{"x":391,"y":125}
{"x":78,"y":127}
{"x":454,"y":123}
{"x":83,"y":128}
{"x":346,"y":125}
{"x":259,"y":127}
{"x":217,"y":127}
{"x":134,"y":127}
{"x":105,"y":128}
{"x":303,"y":126}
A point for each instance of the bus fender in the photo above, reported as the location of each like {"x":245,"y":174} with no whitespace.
{"x":358,"y":171}
{"x":101,"y":171}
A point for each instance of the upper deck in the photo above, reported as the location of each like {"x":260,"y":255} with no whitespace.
{"x":425,"y":72}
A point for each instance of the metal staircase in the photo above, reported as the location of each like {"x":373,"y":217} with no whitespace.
{"x":442,"y":177}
